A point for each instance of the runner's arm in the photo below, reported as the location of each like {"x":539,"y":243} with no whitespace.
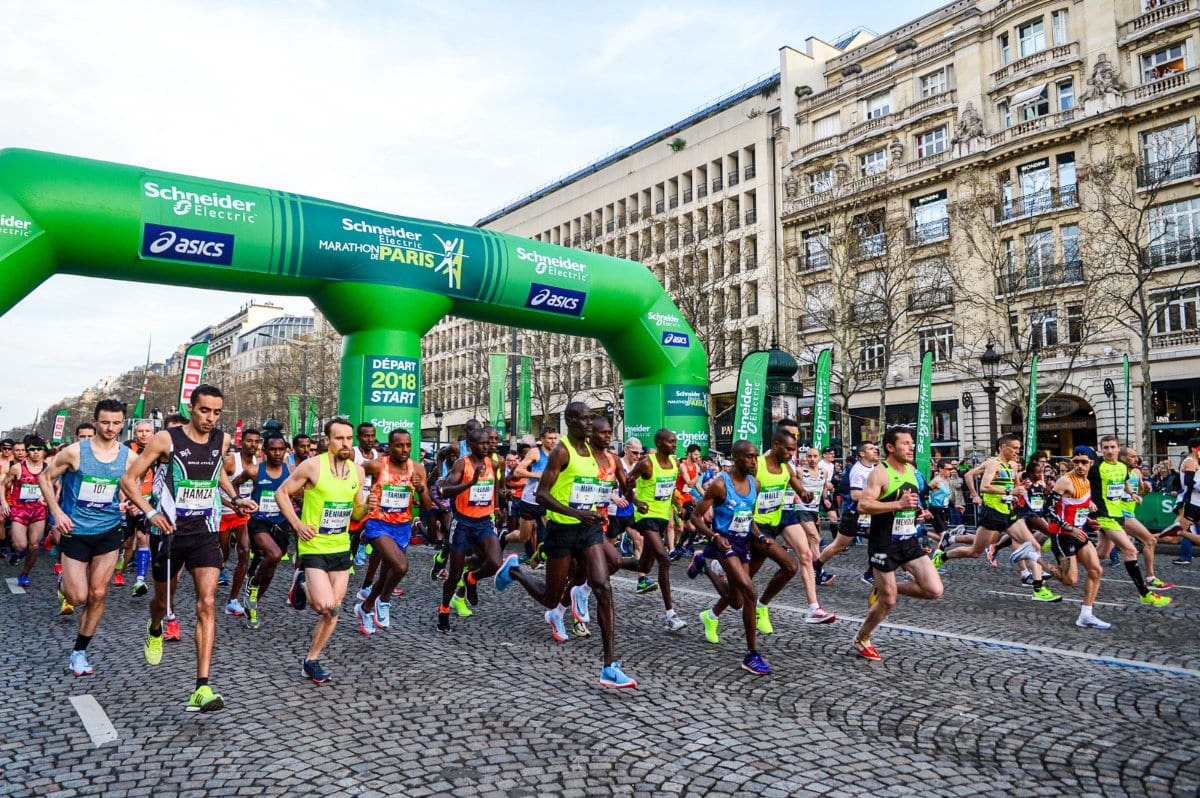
{"x":522,"y":470}
{"x":363,"y":508}
{"x":67,"y":459}
{"x":451,"y":486}
{"x":302,"y":477}
{"x":713,"y":495}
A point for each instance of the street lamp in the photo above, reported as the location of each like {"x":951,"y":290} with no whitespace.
{"x":437,"y":417}
{"x":990,"y":361}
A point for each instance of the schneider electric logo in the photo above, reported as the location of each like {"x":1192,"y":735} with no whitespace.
{"x":663,"y":319}
{"x":555,"y":300}
{"x":676,"y":339}
{"x":14,"y":226}
{"x":209,"y":205}
{"x":182,"y":243}
{"x":560,"y":266}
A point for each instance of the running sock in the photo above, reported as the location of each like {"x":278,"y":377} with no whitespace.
{"x":444,"y":610}
{"x":1085,"y":611}
{"x":201,"y":682}
{"x":158,"y":633}
{"x":1135,"y":573}
{"x":1037,"y":584}
{"x":142,"y":560}
{"x":1025,"y":572}
{"x":812,"y":607}
{"x":81,"y":642}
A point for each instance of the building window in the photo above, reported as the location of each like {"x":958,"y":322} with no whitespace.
{"x":1004,"y":113}
{"x":1172,"y":149}
{"x":932,"y":285}
{"x":874,"y":162}
{"x":1035,"y":185}
{"x":1014,"y":328}
{"x":1178,"y":311}
{"x":939,"y":340}
{"x":816,"y":249}
{"x":1065,"y":164}
{"x":1176,"y":221}
{"x":751,"y":294}
{"x":818,"y":306}
{"x":879,"y":105}
{"x":1058,"y":24}
{"x":870,"y":232}
{"x":1075,"y":323}
{"x":1031,"y":37}
{"x":1070,"y":244}
{"x":1066,"y":95}
{"x":1005,"y":50}
{"x":1030,"y":103}
{"x":1164,"y":62}
{"x":827,"y":126}
{"x":1043,"y":328}
{"x":930,"y":218}
{"x":931,"y":142}
{"x":872,"y":353}
{"x":820,"y":181}
{"x":1039,"y":257}
{"x":934,"y":83}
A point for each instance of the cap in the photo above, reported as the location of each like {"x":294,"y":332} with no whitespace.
{"x":829,"y":450}
{"x":1086,"y":450}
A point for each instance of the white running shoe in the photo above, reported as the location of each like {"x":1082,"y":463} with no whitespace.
{"x":673,"y":622}
{"x":234,"y":607}
{"x":819,"y":615}
{"x":1092,"y":622}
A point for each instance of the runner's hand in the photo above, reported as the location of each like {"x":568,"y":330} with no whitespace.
{"x":640,"y":506}
{"x":162,"y":523}
{"x":305,"y":532}
{"x":589,"y":517}
{"x":976,"y":501}
{"x":372,"y":502}
{"x":4,"y":509}
{"x":620,"y":501}
{"x":722,"y":543}
{"x":909,"y":501}
{"x":1079,"y":534}
{"x":240,"y":507}
{"x":64,"y":524}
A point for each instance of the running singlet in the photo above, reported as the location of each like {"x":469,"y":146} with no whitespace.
{"x":1073,"y":509}
{"x":733,"y":516}
{"x":1035,"y":498}
{"x":901,"y":523}
{"x":529,"y":492}
{"x":1108,"y":487}
{"x":478,"y":500}
{"x":328,"y":506}
{"x":262,"y":492}
{"x":627,"y":510}
{"x":1004,"y":479}
{"x":1129,"y":506}
{"x":768,"y":509}
{"x":27,"y":490}
{"x":608,"y":482}
{"x":395,"y":492}
{"x":940,"y":496}
{"x":90,"y":492}
{"x":190,"y":495}
{"x":859,"y":474}
{"x":814,"y":484}
{"x":578,"y":485}
{"x":657,"y":491}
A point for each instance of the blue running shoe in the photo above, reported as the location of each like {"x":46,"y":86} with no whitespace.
{"x":626,"y":545}
{"x":557,"y":627}
{"x":311,"y":669}
{"x":867,"y":579}
{"x":503,"y":580}
{"x":223,"y":579}
{"x":825,"y":578}
{"x":613,"y":676}
{"x":756,"y":664}
{"x":23,"y":580}
{"x":579,"y":604}
{"x":366,"y":621}
{"x":697,"y":566}
{"x":296,"y":596}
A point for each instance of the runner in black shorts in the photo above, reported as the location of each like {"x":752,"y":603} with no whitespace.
{"x":1067,"y":511}
{"x":270,"y":534}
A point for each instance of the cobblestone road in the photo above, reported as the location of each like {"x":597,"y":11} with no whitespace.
{"x":982,"y":693}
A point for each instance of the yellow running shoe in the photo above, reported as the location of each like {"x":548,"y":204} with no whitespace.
{"x":153,"y":649}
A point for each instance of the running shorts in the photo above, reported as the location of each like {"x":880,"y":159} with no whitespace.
{"x":85,"y":548}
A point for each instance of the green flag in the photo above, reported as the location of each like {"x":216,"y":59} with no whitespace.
{"x":140,"y":409}
{"x":294,"y":413}
{"x":925,"y":415}
{"x":193,"y":373}
{"x":1031,"y":413}
{"x":497,"y":371}
{"x":524,"y":398}
{"x":751,"y":398}
{"x":310,"y":421}
{"x":821,"y":399}
{"x":60,"y":425}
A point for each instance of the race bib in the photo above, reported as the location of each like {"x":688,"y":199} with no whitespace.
{"x":740,"y":523}
{"x":585,"y":492}
{"x":1081,"y":516}
{"x":790,"y":499}
{"x":267,"y":504}
{"x":770,"y":500}
{"x":663,"y":489}
{"x":97,"y":492}
{"x":30,"y":492}
{"x":245,"y":490}
{"x":395,"y":498}
{"x":195,"y":498}
{"x":904,"y":526}
{"x":864,"y":521}
{"x":1115,"y":492}
{"x":335,"y":517}
{"x":1036,"y":503}
{"x":481,"y":493}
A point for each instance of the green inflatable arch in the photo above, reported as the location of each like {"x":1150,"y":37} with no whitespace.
{"x":383,"y":281}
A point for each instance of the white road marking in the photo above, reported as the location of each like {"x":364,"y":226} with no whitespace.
{"x":95,"y":720}
{"x":13,"y":586}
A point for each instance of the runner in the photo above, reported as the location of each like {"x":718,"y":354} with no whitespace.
{"x":331,"y":484}
{"x":890,"y":499}
{"x":367,"y":451}
{"x":656,"y":477}
{"x":851,"y":524}
{"x":268,"y":528}
{"x":532,"y":529}
{"x":302,"y":449}
{"x":1109,"y":478}
{"x":28,"y":509}
{"x":187,"y":516}
{"x":137,"y":534}
{"x":687,"y":493}
{"x":1135,"y":528}
{"x":732,"y":498}
{"x":396,"y":480}
{"x":570,"y":488}
{"x":1067,"y":513}
{"x":89,"y":520}
{"x":233,"y":524}
{"x":620,"y":510}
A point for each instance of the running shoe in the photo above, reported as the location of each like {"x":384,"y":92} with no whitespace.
{"x":1092,"y":622}
{"x":754,"y":663}
{"x":711,"y":622}
{"x":459,"y":605}
{"x":140,"y":588}
{"x":1022,"y":552}
{"x":22,"y":580}
{"x":366,"y":623}
{"x":382,"y":615}
{"x":697,"y":566}
{"x":675,"y":554}
{"x":946,"y":541}
{"x":171,"y":629}
{"x":673,"y":622}
{"x":296,"y":596}
{"x":472,"y":589}
{"x":867,"y":579}
{"x":1114,"y":558}
{"x":1155,"y":600}
{"x":819,"y":615}
{"x":1046,"y":546}
{"x":1044,"y":593}
{"x":646,"y":585}
{"x":503,"y":577}
{"x":251,"y":620}
{"x":153,"y":649}
{"x":363,"y":593}
{"x":251,"y":597}
{"x":13,"y":558}
{"x":873,"y":597}
{"x":1182,"y":561}
{"x":825,"y":577}
{"x":1027,"y":580}
{"x":716,"y":569}
{"x":990,"y":555}
{"x":398,"y":591}
{"x":579,"y":604}
{"x":223,"y":579}
{"x":867,"y":651}
{"x":557,"y":628}
{"x":762,"y":617}
{"x":311,"y":669}
{"x":58,"y":568}
{"x":579,"y":629}
{"x":1158,"y":584}
{"x":360,"y":556}
{"x":234,"y":607}
{"x":1171,"y":531}
{"x":939,"y":559}
{"x":613,"y":676}
{"x":626,"y":546}
{"x":435,"y":567}
{"x":118,"y":579}
{"x":79,"y":663}
{"x":65,"y":608}
{"x":443,"y":621}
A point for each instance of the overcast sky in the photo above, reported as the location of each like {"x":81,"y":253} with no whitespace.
{"x":434,"y":110}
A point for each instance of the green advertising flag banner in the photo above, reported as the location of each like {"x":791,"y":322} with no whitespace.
{"x":525,"y":398}
{"x":310,"y":421}
{"x":60,"y":425}
{"x":1157,"y":510}
{"x":1128,"y":438}
{"x":1031,"y":413}
{"x":294,"y":413}
{"x":497,"y":377}
{"x":821,"y":399}
{"x":925,"y":415}
{"x":140,"y":408}
{"x":193,"y":373}
{"x":751,"y":398}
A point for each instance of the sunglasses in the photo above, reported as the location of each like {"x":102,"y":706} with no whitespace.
{"x":35,"y":449}
{"x":1082,"y":461}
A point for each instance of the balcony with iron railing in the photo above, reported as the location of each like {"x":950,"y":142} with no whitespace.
{"x":1032,"y":127}
{"x":748,"y":172}
{"x":930,"y":299}
{"x":1167,"y":170}
{"x":674,"y":203}
{"x":856,"y":83}
{"x":660,"y":206}
{"x":1035,"y":62}
{"x":811,"y":261}
{"x":733,"y":177}
{"x":751,"y":216}
{"x":1167,"y":84}
{"x":929,"y":232}
{"x":1173,"y":253}
{"x":1156,"y":19}
{"x":717,"y":184}
{"x":1050,"y":199}
{"x":702,"y":190}
{"x":1036,"y":277}
{"x":687,"y":195}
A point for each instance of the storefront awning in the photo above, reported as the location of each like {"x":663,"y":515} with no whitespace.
{"x":1026,"y":97}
